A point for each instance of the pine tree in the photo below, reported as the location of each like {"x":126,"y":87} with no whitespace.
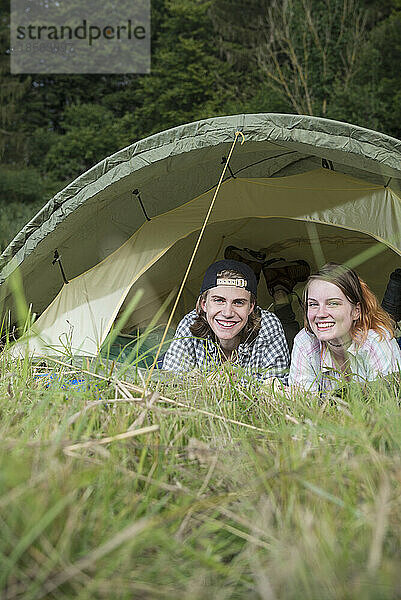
{"x":12,"y":90}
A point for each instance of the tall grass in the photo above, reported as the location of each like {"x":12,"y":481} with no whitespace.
{"x":214,"y":491}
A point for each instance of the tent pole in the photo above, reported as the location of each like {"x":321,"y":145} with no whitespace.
{"x":57,"y":259}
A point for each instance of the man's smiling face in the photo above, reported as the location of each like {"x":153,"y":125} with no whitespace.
{"x":227,"y":309}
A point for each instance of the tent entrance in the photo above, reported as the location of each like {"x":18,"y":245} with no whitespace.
{"x":279,"y":237}
{"x":317,"y":216}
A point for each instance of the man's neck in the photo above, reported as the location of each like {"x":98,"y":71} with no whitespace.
{"x":228,"y":346}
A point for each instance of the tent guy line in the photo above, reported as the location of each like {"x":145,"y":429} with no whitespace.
{"x":205,"y":222}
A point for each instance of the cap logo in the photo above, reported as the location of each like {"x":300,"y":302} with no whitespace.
{"x":235,"y":282}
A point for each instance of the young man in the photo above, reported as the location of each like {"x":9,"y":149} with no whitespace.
{"x":281,"y":276}
{"x":227,"y":325}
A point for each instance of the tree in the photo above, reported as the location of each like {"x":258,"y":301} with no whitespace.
{"x":188,"y":78}
{"x":373,"y":98}
{"x":12,"y":90}
{"x":91,"y":134}
{"x":21,"y":187}
{"x":304,"y":47}
{"x":301,"y":47}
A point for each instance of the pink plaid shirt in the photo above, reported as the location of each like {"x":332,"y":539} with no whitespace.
{"x":312,"y":366}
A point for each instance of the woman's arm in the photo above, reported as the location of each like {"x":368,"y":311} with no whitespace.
{"x":305,"y":370}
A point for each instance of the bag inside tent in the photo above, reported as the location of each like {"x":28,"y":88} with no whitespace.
{"x":298,"y":188}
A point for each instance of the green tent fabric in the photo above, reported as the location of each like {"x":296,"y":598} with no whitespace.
{"x":299,"y":187}
{"x":139,"y":348}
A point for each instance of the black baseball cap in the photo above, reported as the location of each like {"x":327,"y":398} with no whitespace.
{"x":247,"y":282}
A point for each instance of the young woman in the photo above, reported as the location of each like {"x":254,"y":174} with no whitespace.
{"x":347,"y":335}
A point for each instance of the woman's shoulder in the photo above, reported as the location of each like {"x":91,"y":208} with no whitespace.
{"x":376,"y":342}
{"x":377,"y":337}
{"x":306,"y":341}
{"x":381,"y":353}
{"x":304,"y":337}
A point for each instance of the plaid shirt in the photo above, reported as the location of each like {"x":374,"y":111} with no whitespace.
{"x":313,"y":368}
{"x":265,"y":357}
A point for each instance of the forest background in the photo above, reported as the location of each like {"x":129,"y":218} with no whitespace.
{"x":338,"y":59}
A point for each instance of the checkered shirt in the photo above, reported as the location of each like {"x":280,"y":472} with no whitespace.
{"x":312,"y":366}
{"x":265,"y":357}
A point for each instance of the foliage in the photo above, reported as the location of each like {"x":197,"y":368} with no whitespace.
{"x":91,"y":133}
{"x":13,"y":216}
{"x":334,"y":58}
{"x":302,"y":47}
{"x":187,"y":76}
{"x":22,"y":191}
{"x":16,"y":184}
{"x":374,"y":98}
{"x":12,"y":91}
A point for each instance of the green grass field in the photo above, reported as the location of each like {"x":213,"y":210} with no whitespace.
{"x":196,"y":490}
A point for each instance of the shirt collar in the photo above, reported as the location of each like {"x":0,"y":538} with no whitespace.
{"x":326,"y":361}
{"x":243,"y":348}
{"x":353,"y":348}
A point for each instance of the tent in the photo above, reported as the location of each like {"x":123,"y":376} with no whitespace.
{"x":299,"y":187}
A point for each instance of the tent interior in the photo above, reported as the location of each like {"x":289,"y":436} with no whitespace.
{"x":318,"y":216}
{"x":323,"y":216}
{"x":277,"y":237}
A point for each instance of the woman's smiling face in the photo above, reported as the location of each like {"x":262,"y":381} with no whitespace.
{"x":330,"y":314}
